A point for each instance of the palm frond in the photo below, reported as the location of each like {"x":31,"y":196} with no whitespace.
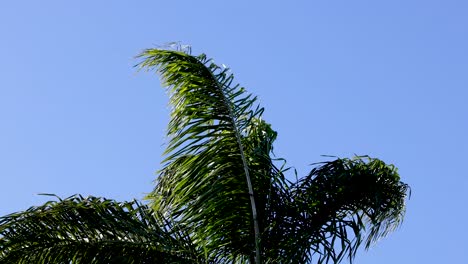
{"x":340,"y":204}
{"x":206,"y":181}
{"x":91,"y":230}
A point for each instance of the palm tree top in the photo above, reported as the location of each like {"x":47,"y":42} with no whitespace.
{"x":219,"y":196}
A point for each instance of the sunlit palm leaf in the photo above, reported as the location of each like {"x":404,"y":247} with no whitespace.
{"x":91,"y":230}
{"x":206,"y":182}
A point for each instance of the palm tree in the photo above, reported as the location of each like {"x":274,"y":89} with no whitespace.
{"x":221,"y":196}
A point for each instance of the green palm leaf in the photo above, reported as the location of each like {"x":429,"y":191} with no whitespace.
{"x":206,"y":182}
{"x":337,"y":206}
{"x":91,"y":230}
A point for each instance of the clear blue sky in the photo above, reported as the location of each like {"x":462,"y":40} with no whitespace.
{"x":384,"y":78}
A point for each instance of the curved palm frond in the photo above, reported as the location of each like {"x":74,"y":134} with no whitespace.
{"x":92,"y":230}
{"x":337,"y":206}
{"x":206,"y":182}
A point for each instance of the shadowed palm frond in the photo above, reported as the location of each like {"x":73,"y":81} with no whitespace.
{"x":91,"y":230}
{"x":337,"y":206}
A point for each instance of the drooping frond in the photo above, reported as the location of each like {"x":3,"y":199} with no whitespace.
{"x":91,"y":230}
{"x":340,"y":204}
{"x":206,"y":181}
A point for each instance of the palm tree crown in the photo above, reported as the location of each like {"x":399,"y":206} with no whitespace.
{"x":220,"y":196}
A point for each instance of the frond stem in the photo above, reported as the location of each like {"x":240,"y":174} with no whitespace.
{"x":246,"y":171}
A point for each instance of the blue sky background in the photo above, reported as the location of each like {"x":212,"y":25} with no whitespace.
{"x":383,"y":78}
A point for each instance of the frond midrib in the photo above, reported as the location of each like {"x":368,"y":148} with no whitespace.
{"x":245,"y":166}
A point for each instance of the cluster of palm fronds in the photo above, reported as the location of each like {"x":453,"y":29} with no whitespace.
{"x":219,"y":197}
